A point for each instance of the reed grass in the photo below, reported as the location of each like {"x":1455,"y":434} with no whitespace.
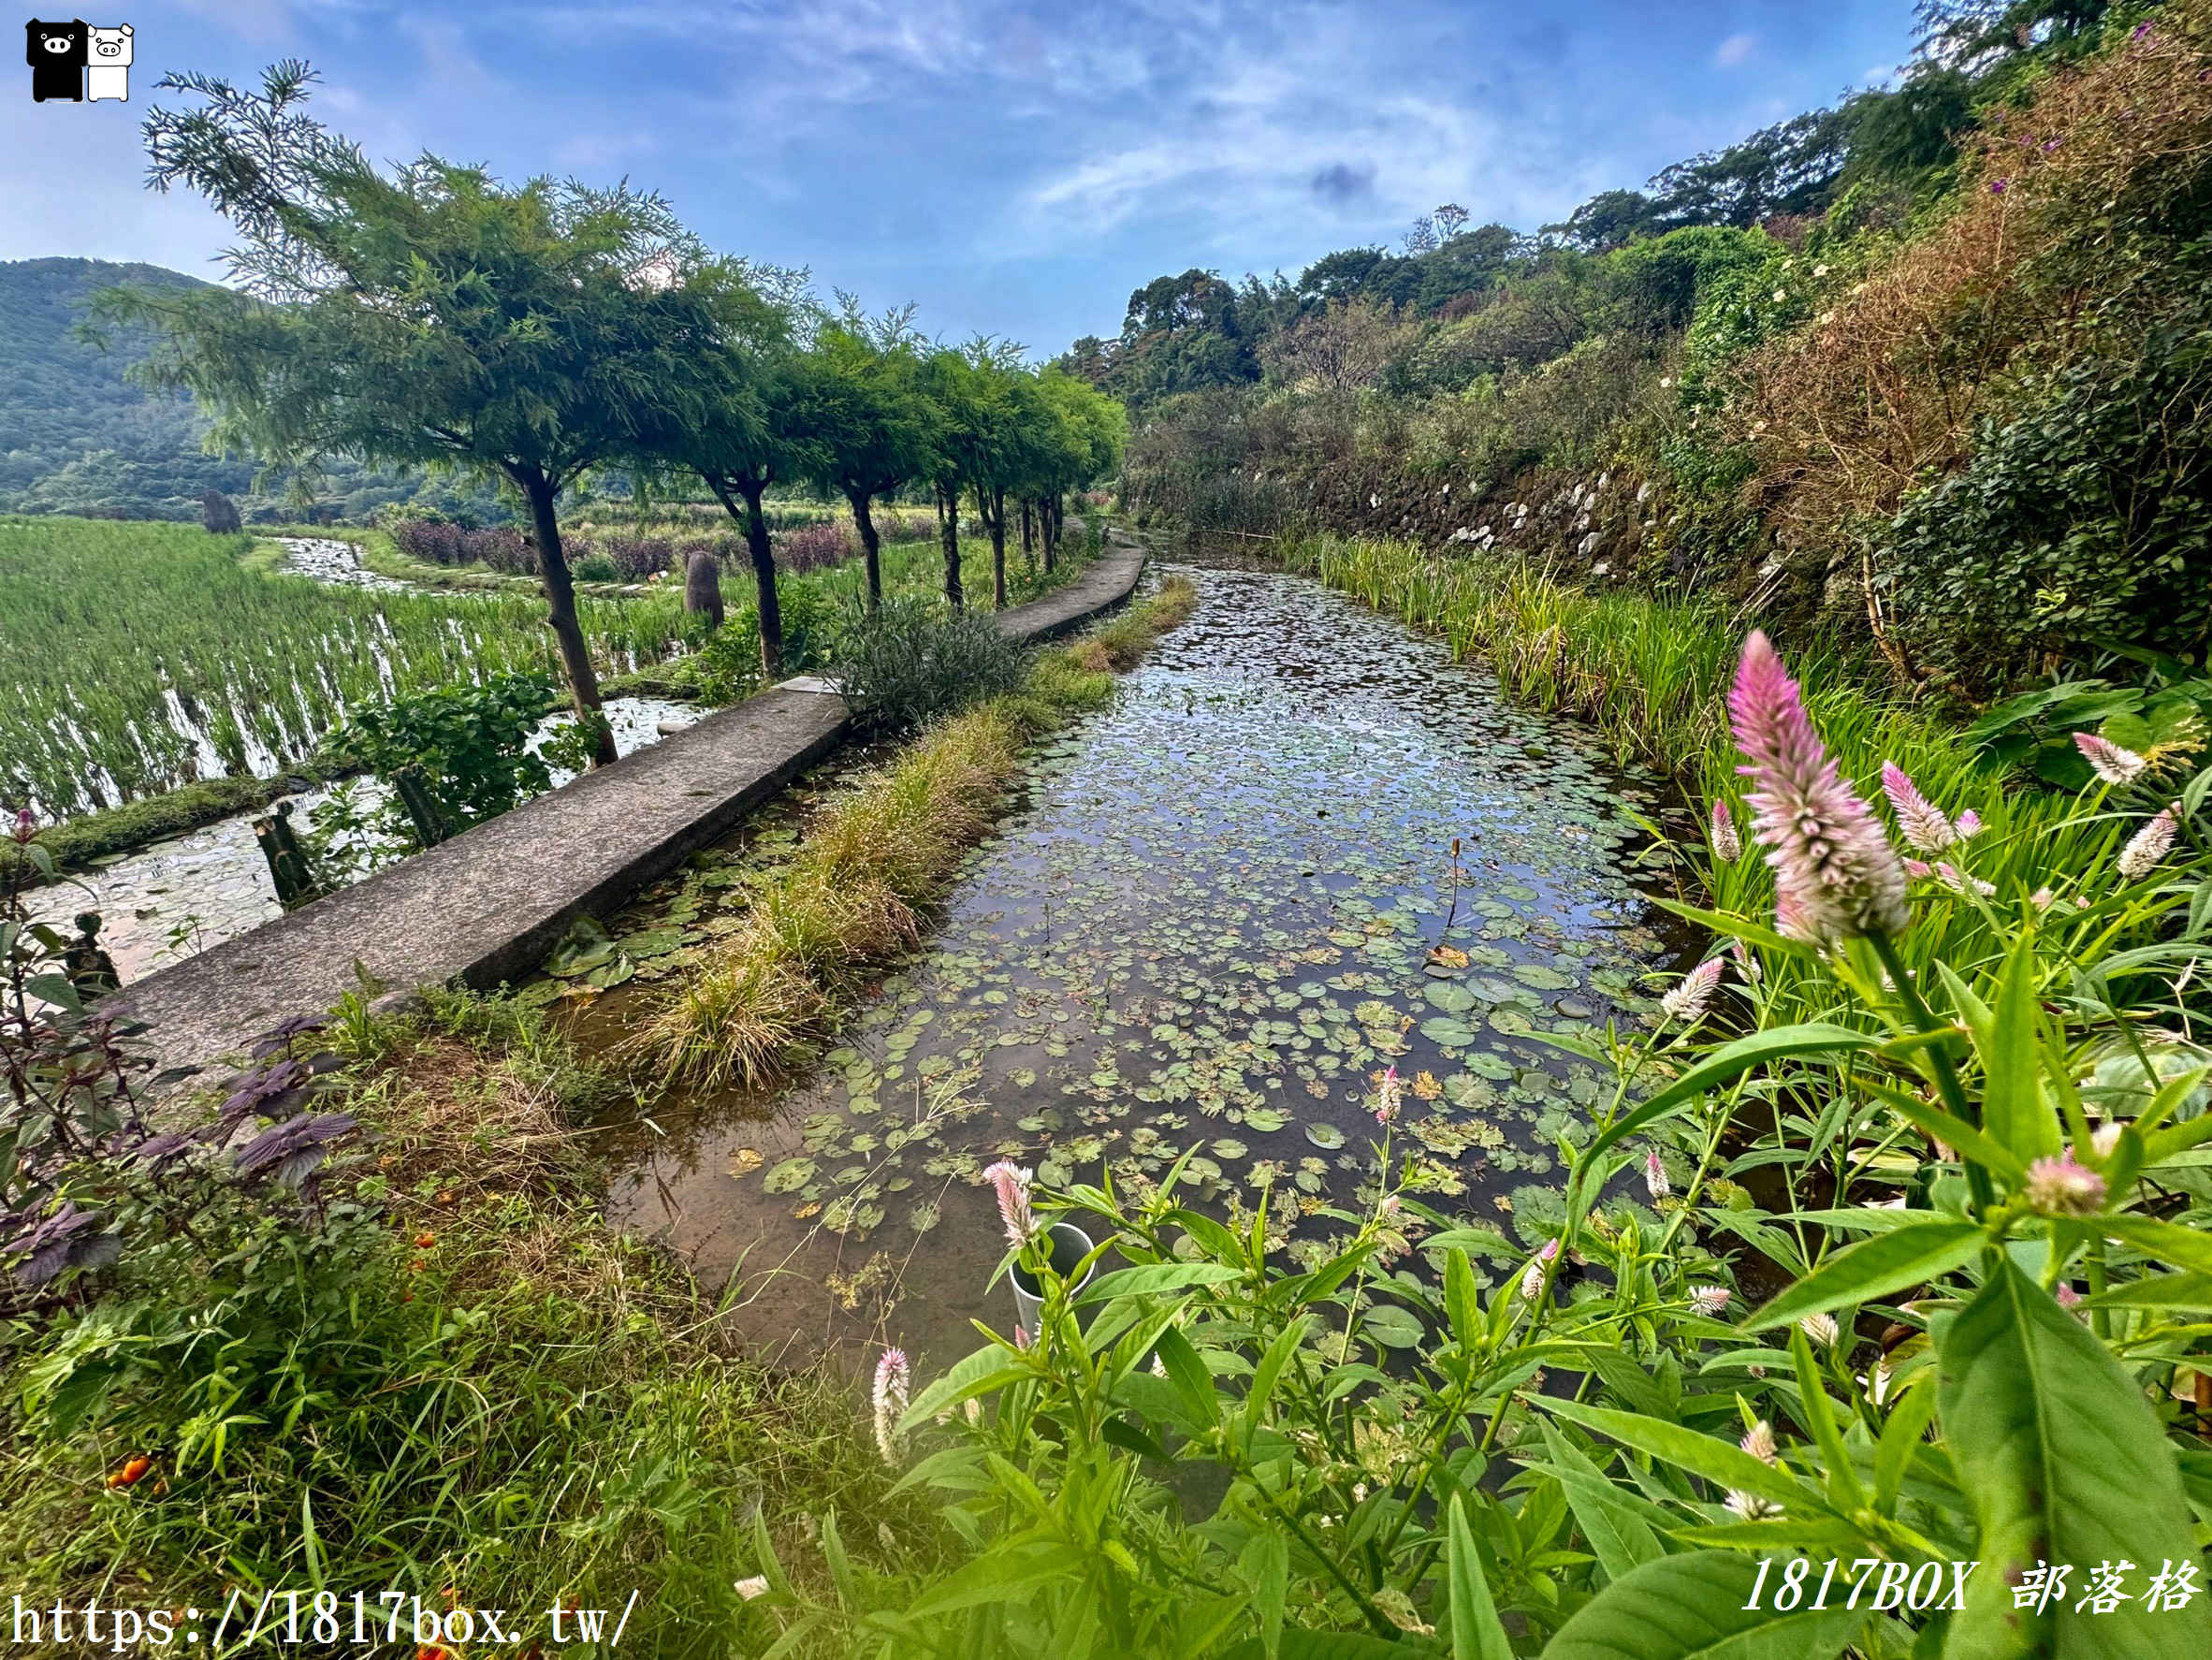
{"x":853,"y":896}
{"x":1652,"y":675}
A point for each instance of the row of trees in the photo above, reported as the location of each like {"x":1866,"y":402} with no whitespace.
{"x":536,"y":334}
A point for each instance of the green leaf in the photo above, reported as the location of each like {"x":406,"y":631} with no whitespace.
{"x":1193,"y":1383}
{"x":980,"y":1373}
{"x":1476,"y":1633}
{"x":1691,"y":1607}
{"x":2169,"y":1242}
{"x":1875,"y":1267}
{"x":1717,"y":1460}
{"x":1459,"y":1300}
{"x":2159,"y":1290}
{"x":1615,"y":1520}
{"x":1153,"y":1278}
{"x":1728,"y":1063}
{"x":1266,"y":1563}
{"x":2063,"y":1461}
{"x":2014,"y":1110}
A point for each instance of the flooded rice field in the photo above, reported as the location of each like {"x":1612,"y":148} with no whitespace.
{"x":177,"y":897}
{"x":1224,"y":906}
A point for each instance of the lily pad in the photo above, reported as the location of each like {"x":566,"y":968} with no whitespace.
{"x":789,"y":1176}
{"x":1325,"y":1136}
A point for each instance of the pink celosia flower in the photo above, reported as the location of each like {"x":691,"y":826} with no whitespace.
{"x":1011,"y":1183}
{"x":2149,"y":845}
{"x":893,"y":1378}
{"x":1656,"y":1182}
{"x":2063,"y":1188}
{"x":2041,"y":898}
{"x":1692,"y":993}
{"x":1821,"y":1328}
{"x":1710,"y":1301}
{"x":2108,"y":760}
{"x":1751,"y":1506}
{"x":749,"y":1589}
{"x":1532,"y":1279}
{"x":1835,"y":873}
{"x":2068,"y":1297}
{"x":1727,"y":845}
{"x":1918,"y":869}
{"x":1925,"y":828}
{"x":1746,"y":963}
{"x":1968,"y":824}
{"x":1389,"y":1096}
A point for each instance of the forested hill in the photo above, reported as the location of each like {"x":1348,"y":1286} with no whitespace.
{"x":78,"y":435}
{"x":1885,"y":153}
{"x":75,"y":431}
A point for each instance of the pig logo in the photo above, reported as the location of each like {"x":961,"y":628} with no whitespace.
{"x":108,"y":61}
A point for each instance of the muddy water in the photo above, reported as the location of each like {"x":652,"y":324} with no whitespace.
{"x":1213,"y":921}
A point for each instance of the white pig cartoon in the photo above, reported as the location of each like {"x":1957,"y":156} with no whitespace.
{"x":109,"y":56}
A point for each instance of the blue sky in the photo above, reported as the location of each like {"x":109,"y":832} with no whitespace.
{"x":1014,"y":168}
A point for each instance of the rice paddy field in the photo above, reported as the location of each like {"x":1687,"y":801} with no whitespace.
{"x":136,"y":657}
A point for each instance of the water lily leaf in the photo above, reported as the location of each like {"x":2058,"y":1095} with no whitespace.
{"x":1325,"y":1136}
{"x":789,"y":1176}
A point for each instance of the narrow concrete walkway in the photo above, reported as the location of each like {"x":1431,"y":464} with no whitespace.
{"x":486,"y":906}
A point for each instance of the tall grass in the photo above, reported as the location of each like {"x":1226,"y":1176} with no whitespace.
{"x":1652,"y":675}
{"x":472,"y":1384}
{"x":852,"y":897}
{"x":136,"y":657}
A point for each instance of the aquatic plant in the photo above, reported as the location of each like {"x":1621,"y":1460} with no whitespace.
{"x":850,"y":899}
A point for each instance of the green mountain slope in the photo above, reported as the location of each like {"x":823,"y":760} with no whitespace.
{"x":78,"y":435}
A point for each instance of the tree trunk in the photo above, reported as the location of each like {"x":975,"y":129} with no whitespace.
{"x":703,"y":587}
{"x":1048,"y":511}
{"x":764,"y":576}
{"x":948,"y":529}
{"x":1029,"y":539}
{"x":561,"y":611}
{"x":870,"y":545}
{"x":991,"y":506}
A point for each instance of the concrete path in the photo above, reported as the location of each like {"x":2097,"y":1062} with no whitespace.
{"x":486,"y":906}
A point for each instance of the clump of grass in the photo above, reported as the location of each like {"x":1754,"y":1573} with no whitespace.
{"x":852,"y":898}
{"x":464,"y":1378}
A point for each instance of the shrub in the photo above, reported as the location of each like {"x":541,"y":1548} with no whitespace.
{"x":812,"y":546}
{"x":903,"y":666}
{"x":2085,"y":518}
{"x":468,"y":747}
{"x":639,"y":557}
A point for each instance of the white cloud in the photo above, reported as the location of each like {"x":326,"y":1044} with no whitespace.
{"x":1736,"y":49}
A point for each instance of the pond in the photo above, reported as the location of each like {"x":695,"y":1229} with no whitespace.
{"x":1222,"y":908}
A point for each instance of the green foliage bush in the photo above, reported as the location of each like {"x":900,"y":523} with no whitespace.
{"x":2082,"y":517}
{"x":469,"y":746}
{"x":904,"y":665}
